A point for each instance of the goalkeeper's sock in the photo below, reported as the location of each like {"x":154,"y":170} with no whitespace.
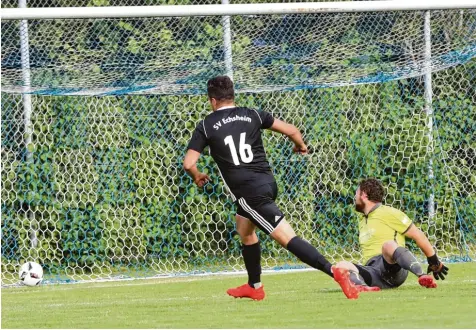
{"x":309,"y":255}
{"x":407,"y":260}
{"x":252,"y":257}
{"x":356,"y":278}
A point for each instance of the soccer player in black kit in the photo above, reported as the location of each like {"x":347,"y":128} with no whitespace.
{"x":233,"y":135}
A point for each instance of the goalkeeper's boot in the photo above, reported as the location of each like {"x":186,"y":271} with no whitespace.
{"x":246,"y":291}
{"x":365,"y":288}
{"x":342,"y":277}
{"x":427,"y":281}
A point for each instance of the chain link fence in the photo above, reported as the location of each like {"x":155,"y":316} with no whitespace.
{"x":97,"y":190}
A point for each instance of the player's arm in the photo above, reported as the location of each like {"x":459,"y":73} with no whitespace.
{"x":434,"y":264}
{"x":292,"y":132}
{"x":197,"y":143}
{"x":420,"y":239}
{"x":190,"y":166}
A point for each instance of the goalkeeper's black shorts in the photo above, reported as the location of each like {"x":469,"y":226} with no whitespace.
{"x":378,"y":272}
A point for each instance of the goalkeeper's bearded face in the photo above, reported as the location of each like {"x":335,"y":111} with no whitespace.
{"x":359,"y":203}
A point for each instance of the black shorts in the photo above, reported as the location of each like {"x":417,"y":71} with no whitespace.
{"x":260,"y":207}
{"x":378,"y":272}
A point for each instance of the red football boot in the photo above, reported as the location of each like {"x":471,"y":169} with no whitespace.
{"x":427,"y":281}
{"x":342,"y":277}
{"x":246,"y":291}
{"x":365,"y":288}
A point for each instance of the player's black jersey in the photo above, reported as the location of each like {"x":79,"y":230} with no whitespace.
{"x":234,"y":137}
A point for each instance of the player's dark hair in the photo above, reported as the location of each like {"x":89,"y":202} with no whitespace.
{"x":373,"y":188}
{"x":221,"y":88}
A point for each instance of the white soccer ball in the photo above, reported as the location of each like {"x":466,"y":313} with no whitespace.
{"x":31,"y":273}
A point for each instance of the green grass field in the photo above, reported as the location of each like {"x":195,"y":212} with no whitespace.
{"x":294,"y":300}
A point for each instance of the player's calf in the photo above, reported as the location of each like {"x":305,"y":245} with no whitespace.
{"x":407,"y":260}
{"x":286,"y":237}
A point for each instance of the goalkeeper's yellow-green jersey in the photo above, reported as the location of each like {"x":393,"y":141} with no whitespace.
{"x":383,"y":223}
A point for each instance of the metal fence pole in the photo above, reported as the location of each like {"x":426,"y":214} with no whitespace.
{"x":27,"y":107}
{"x":429,"y":111}
{"x":227,"y":43}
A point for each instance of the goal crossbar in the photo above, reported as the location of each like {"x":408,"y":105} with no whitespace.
{"x":232,"y":9}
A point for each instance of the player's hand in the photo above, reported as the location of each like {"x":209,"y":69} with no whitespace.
{"x":300,"y":149}
{"x":436,"y":267}
{"x":201,"y":179}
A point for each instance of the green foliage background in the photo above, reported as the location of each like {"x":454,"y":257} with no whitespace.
{"x":106,"y":185}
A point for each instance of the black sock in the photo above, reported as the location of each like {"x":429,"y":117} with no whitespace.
{"x":252,"y":257}
{"x":407,"y":260}
{"x":309,"y":255}
{"x":356,"y":278}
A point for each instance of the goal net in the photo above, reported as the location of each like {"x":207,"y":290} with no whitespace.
{"x":96,"y":115}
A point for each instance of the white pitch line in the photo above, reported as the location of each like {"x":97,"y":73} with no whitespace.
{"x":157,"y":279}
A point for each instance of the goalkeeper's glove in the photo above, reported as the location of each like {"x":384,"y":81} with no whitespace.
{"x":435,"y":266}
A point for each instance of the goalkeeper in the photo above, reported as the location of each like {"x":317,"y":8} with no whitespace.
{"x":382,"y":232}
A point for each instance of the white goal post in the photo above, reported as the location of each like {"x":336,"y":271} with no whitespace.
{"x":234,"y":9}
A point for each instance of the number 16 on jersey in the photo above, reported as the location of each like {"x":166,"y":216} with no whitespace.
{"x":246,"y":155}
